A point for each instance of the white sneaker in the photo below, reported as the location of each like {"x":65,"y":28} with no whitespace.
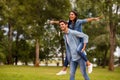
{"x":61,"y":73}
{"x":90,"y":68}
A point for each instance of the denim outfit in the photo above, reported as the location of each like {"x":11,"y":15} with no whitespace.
{"x":77,"y":27}
{"x":72,"y":41}
{"x":80,"y":61}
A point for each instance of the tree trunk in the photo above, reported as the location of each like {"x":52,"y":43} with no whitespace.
{"x":112,"y":48}
{"x":46,"y":60}
{"x":9,"y":58}
{"x":62,"y":51}
{"x":26,"y":63}
{"x":104,"y":59}
{"x":16,"y":58}
{"x":16,"y":50}
{"x":62,"y":59}
{"x":112,"y":37}
{"x":37,"y":53}
{"x":62,"y":47}
{"x":119,"y":61}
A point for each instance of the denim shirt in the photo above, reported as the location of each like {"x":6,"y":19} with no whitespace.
{"x":78,"y":25}
{"x":72,"y":44}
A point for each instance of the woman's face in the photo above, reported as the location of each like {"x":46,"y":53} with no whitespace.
{"x":72,"y":16}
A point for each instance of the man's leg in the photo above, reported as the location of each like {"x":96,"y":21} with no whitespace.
{"x":83,"y":69}
{"x":73,"y":67}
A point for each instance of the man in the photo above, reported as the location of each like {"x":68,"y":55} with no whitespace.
{"x":71,"y":38}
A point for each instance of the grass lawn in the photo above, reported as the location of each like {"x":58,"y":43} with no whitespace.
{"x":49,"y":73}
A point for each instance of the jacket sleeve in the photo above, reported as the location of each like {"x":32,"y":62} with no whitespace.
{"x":80,"y":35}
{"x":82,"y":21}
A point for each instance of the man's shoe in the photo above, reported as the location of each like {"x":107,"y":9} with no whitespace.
{"x":90,"y":68}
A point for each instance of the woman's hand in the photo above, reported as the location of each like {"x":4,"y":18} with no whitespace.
{"x":82,"y":50}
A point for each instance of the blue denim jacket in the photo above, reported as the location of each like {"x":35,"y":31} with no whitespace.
{"x":78,"y":26}
{"x":72,"y":44}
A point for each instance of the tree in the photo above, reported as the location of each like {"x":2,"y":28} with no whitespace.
{"x":7,"y":17}
{"x":26,"y":20}
{"x":109,"y":9}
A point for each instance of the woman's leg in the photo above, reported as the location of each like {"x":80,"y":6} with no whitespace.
{"x":65,"y":64}
{"x":84,"y":57}
{"x":63,"y":71}
{"x":82,"y":54}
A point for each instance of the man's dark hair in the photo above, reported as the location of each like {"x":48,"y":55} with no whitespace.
{"x":63,"y":21}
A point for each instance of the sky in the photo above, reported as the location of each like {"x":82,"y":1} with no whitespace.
{"x":117,"y":52}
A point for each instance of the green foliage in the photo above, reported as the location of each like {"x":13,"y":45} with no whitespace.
{"x":28,"y":20}
{"x":98,"y":31}
{"x":58,"y":9}
{"x":2,"y":56}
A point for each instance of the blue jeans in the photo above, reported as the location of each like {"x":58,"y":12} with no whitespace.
{"x":82,"y":54}
{"x":73,"y":67}
{"x":66,"y":62}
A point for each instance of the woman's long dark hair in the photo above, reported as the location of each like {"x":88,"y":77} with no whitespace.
{"x":74,"y":19}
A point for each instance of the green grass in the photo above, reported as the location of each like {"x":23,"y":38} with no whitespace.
{"x":49,"y":73}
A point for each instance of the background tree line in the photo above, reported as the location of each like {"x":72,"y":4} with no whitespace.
{"x":26,"y":36}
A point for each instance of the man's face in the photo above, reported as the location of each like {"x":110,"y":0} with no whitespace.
{"x":63,"y":26}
